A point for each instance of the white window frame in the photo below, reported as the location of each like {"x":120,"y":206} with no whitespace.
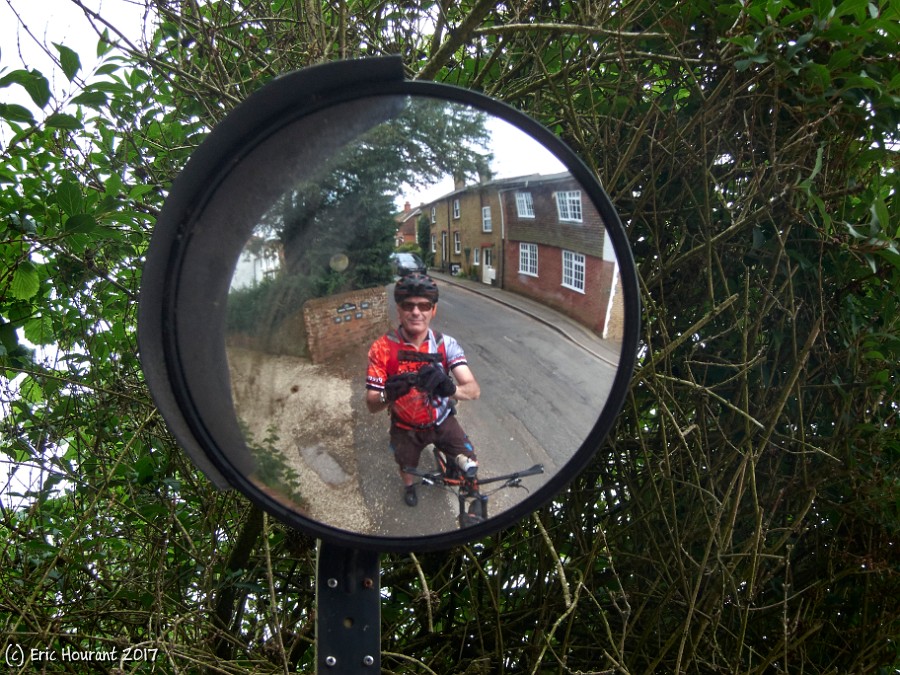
{"x":434,"y":243}
{"x":433,"y":215}
{"x":476,"y":256}
{"x":456,"y":210}
{"x":528,"y":259}
{"x":568,"y":206}
{"x":457,"y":243}
{"x":487,"y":224}
{"x":574,"y":271}
{"x":524,"y":205}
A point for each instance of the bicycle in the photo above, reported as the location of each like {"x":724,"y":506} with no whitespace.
{"x":466,"y":488}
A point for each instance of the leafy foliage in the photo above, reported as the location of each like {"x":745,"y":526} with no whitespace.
{"x":423,"y":239}
{"x":743,"y":516}
{"x":346,"y":209}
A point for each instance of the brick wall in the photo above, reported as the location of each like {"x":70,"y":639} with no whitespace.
{"x":545,"y":227}
{"x":589,"y":308}
{"x":339,"y":323}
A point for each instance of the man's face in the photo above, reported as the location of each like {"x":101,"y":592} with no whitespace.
{"x":416,"y":314}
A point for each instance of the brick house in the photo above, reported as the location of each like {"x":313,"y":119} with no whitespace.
{"x":538,"y":236}
{"x":557,"y":250}
{"x":407,"y":221}
{"x":467,"y":229}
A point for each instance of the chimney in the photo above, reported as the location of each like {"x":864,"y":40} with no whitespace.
{"x":484,"y":171}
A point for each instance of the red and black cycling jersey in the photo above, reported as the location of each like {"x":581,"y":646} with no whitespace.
{"x":392,"y":354}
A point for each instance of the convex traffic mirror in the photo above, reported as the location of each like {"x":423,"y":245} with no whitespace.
{"x":273,"y":269}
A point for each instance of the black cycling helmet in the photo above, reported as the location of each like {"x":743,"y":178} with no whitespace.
{"x":415,"y":285}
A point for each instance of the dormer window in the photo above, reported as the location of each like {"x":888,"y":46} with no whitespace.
{"x":524,"y":205}
{"x":568,"y":205}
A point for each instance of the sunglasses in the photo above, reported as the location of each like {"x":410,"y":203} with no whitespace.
{"x":408,"y":306}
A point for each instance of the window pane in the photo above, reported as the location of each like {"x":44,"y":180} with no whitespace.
{"x":568,"y":205}
{"x":528,"y":259}
{"x":573,"y":270}
{"x":524,"y":205}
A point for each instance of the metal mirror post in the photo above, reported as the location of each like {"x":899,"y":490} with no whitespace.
{"x":271,"y":272}
{"x":348,"y":610}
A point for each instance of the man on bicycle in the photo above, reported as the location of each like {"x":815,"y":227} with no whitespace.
{"x":409,"y":374}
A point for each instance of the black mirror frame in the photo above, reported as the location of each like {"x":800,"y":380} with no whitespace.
{"x":180,"y":348}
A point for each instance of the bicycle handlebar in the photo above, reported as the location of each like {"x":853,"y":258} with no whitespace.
{"x":533,"y":471}
{"x":467,"y":488}
{"x":436,"y":475}
{"x":431,"y":475}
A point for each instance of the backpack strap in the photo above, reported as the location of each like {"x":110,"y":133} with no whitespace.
{"x":393,"y":361}
{"x":441,"y":349}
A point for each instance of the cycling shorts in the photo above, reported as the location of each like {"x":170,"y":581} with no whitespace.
{"x":449,"y":436}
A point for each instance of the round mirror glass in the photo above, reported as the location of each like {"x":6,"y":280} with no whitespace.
{"x":298,"y":354}
{"x":530,"y":303}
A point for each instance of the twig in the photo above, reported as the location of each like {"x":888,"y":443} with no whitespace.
{"x":456,"y":39}
{"x":425,"y":591}
{"x":560,"y":570}
{"x":403,"y":657}
{"x":572,"y":28}
{"x":684,"y":337}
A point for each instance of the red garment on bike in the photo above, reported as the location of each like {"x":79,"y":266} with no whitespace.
{"x":392,"y":354}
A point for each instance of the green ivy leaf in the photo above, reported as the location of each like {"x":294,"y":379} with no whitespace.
{"x":108,"y":69}
{"x":9,"y":338}
{"x":81,"y":223}
{"x":69,"y":198}
{"x":25,"y":282}
{"x":69,"y":61}
{"x":15,"y":113}
{"x":92,"y":99}
{"x":744,"y":64}
{"x":104,"y":44}
{"x":33,"y":82}
{"x":19,"y":224}
{"x":63,"y":121}
{"x":824,"y":9}
{"x":855,"y":8}
{"x":39,"y":330}
{"x":880,"y":217}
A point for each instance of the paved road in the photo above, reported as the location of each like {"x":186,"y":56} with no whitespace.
{"x":540,"y":396}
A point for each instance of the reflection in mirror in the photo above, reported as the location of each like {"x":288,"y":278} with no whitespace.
{"x":527,"y":282}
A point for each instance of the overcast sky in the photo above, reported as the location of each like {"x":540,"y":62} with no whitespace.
{"x":515,"y":154}
{"x":24,"y":39}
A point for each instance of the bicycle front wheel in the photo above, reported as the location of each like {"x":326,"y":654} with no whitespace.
{"x":475,"y":513}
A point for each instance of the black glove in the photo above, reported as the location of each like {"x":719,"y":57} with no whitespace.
{"x":435,"y":381}
{"x":397,"y":386}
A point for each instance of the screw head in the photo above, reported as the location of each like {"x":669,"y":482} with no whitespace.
{"x":332,"y":583}
{"x":330,"y":661}
{"x":368,"y":661}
